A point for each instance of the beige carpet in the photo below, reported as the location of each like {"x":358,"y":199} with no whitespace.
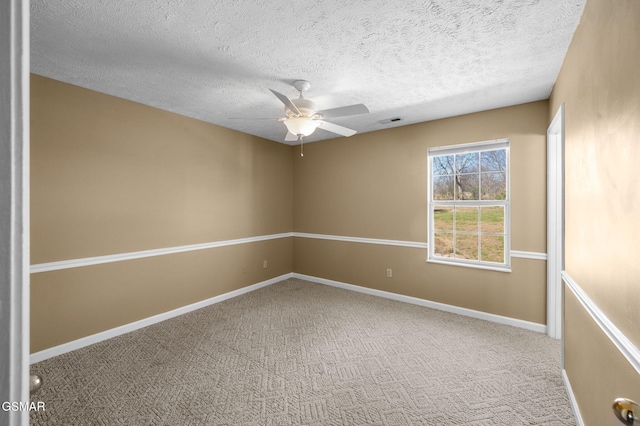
{"x":299,"y":353}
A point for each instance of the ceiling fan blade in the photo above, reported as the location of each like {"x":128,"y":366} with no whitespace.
{"x":257,"y":118}
{"x":334,"y":128}
{"x":290,"y":137}
{"x":344,"y":111}
{"x":286,"y":101}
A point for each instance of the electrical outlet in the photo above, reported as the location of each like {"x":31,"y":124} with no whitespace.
{"x":389,"y":272}
{"x":264,"y":264}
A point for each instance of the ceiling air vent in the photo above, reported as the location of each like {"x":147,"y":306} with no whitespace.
{"x":390,"y":120}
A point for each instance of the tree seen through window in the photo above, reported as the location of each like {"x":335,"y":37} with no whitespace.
{"x":469,"y":204}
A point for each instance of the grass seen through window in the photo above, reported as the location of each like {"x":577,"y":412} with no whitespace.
{"x":469,"y":232}
{"x":469,"y":204}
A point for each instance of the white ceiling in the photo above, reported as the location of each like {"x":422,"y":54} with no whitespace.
{"x":214,"y":59}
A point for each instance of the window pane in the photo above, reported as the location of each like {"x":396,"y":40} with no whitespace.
{"x":467,"y":187}
{"x":443,"y":244}
{"x":469,"y":202}
{"x":443,"y":187}
{"x":443,"y":218}
{"x":443,"y":165}
{"x":467,"y":246}
{"x":467,"y":219}
{"x":492,"y":248}
{"x":494,"y":186}
{"x":467,"y":163}
{"x":492,"y":220}
{"x":493,"y":160}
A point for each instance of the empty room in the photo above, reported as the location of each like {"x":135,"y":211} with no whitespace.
{"x":285,"y":213}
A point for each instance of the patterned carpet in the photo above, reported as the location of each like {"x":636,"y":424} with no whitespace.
{"x":299,"y":353}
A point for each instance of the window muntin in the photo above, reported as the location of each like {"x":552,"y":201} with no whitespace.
{"x":469,"y":204}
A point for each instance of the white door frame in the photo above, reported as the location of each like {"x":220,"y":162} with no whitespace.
{"x":555,"y":224}
{"x":14,"y":209}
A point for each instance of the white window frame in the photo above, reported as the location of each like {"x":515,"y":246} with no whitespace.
{"x":466,"y":149}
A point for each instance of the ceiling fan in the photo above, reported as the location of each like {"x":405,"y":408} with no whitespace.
{"x":303,"y":117}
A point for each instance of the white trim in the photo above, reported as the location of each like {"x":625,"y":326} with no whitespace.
{"x":114,"y":332}
{"x":555,"y":223}
{"x":541,"y":328}
{"x":528,"y":255}
{"x":127,"y":328}
{"x":76,"y":263}
{"x":476,"y":147}
{"x":572,"y":398}
{"x":97,"y":260}
{"x":624,"y":345}
{"x":465,"y":148}
{"x":411,"y":244}
{"x":14,"y":208}
{"x":398,"y":243}
{"x":467,"y":264}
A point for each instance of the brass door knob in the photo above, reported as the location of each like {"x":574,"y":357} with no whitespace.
{"x":627,"y":411}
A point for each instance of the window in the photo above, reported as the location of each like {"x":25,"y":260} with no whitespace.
{"x":469,"y":204}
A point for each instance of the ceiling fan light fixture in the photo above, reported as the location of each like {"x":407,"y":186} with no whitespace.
{"x":301,"y":125}
{"x":302,"y":116}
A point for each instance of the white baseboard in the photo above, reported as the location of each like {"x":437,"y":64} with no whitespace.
{"x":572,"y":398}
{"x":541,"y":328}
{"x":127,"y":328}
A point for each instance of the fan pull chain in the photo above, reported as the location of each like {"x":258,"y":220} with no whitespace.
{"x":301,"y":145}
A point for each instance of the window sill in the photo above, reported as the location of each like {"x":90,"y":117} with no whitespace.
{"x":505,"y":268}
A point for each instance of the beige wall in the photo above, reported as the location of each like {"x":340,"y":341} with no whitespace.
{"x":73,"y":303}
{"x":598,"y":373}
{"x":375,"y":185}
{"x":110,"y":176}
{"x":600,"y":88}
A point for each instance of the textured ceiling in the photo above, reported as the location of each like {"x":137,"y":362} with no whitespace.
{"x":216,"y":59}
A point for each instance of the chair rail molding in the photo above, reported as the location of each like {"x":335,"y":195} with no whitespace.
{"x":97,"y":260}
{"x":401,"y":243}
{"x":617,"y":337}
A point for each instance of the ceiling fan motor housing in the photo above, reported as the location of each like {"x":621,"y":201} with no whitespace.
{"x":306,"y":106}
